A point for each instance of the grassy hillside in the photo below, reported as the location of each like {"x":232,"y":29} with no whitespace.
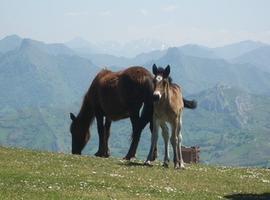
{"x":40,"y":175}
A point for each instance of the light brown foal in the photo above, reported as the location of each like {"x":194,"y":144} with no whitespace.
{"x":168,"y":108}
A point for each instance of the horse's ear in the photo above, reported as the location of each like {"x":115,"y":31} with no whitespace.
{"x":72,"y":116}
{"x":154,"y":69}
{"x":167,"y":71}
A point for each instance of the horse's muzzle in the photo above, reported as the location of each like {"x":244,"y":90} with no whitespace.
{"x":156,"y":97}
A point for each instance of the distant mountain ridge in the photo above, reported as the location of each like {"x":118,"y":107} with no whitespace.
{"x":37,"y":73}
{"x":10,"y":43}
{"x":259,"y":57}
{"x":129,"y":49}
{"x":237,"y":49}
{"x":195,"y":74}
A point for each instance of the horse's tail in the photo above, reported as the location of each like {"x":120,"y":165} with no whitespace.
{"x":191,"y":104}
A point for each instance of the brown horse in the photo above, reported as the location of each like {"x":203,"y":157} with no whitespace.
{"x":115,"y":96}
{"x":168,"y":107}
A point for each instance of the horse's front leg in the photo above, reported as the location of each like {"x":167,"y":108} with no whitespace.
{"x":154,"y":139}
{"x":155,"y":154}
{"x":165,"y":135}
{"x":136,"y":134}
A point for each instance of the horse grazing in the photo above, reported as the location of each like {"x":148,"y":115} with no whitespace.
{"x":115,"y":96}
{"x":168,"y":107}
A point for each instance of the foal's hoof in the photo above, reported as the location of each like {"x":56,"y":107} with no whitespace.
{"x":155,"y":155}
{"x":153,"y":158}
{"x":166,"y":164}
{"x":178,"y":166}
{"x":148,"y":163}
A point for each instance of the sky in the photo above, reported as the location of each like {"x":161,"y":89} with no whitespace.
{"x":206,"y":22}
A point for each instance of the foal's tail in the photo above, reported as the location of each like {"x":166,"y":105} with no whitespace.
{"x":191,"y":104}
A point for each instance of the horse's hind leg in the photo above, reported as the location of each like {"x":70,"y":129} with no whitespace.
{"x":154,"y":139}
{"x":107,"y":128}
{"x":165,"y":135}
{"x":100,"y":127}
{"x":136,"y":134}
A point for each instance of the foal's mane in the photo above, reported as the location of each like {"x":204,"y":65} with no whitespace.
{"x":174,"y":85}
{"x":170,"y":80}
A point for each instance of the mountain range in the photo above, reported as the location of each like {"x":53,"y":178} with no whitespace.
{"x":128,"y":49}
{"x":41,"y":83}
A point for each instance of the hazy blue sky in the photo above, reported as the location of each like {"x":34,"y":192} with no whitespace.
{"x":208,"y":22}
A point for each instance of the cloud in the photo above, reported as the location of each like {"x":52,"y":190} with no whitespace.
{"x":144,"y":12}
{"x":169,"y":8}
{"x":76,"y":13}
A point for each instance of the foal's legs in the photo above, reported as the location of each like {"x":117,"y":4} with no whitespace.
{"x":174,"y":142}
{"x":154,"y":139}
{"x":179,"y":145}
{"x":165,"y":135}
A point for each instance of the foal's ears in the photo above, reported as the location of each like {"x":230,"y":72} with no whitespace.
{"x":72,"y":116}
{"x":167,"y":71}
{"x":154,"y":69}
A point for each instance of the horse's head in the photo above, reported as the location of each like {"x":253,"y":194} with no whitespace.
{"x":161,"y":81}
{"x":80,"y":135}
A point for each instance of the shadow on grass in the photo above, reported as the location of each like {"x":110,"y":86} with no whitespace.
{"x":132,"y":163}
{"x":264,"y":196}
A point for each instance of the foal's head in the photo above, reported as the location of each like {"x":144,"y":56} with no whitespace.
{"x":161,"y":81}
{"x":80,"y":135}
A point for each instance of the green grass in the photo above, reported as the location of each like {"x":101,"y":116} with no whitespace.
{"x":28,"y":174}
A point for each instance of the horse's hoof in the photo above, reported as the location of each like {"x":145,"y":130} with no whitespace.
{"x":176,"y":166}
{"x":166,"y":164}
{"x":98,"y":154}
{"x":182,"y":167}
{"x":179,"y":166}
{"x":128,"y":157}
{"x":106,"y":155}
{"x":148,"y":163}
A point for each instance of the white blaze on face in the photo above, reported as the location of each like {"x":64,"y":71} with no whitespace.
{"x":159,"y":78}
